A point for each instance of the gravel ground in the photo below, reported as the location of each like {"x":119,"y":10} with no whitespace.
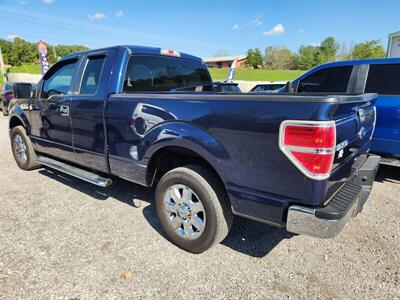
{"x":64,"y":238}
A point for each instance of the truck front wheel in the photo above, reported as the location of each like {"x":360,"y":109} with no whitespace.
{"x":22,"y":149}
{"x":193,"y":208}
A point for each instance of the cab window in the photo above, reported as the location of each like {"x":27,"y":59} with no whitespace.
{"x":91,"y":76}
{"x":150,"y":73}
{"x":384,"y":79}
{"x":59,"y":78}
{"x":329,"y":80}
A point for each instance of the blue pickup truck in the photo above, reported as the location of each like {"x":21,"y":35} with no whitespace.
{"x":151,"y":116}
{"x":380,"y":76}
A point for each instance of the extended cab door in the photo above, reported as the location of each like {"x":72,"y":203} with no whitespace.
{"x":384,"y":79}
{"x":87,"y":110}
{"x":50,"y":111}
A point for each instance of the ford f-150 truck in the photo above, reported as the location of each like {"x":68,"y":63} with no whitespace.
{"x":380,"y":76}
{"x":151,"y":116}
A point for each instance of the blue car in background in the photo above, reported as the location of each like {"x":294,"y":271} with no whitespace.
{"x":380,"y":76}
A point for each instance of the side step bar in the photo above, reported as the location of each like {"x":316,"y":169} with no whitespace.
{"x":390,"y":162}
{"x":74,"y":171}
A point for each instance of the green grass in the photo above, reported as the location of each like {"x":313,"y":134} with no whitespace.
{"x":256,"y":75}
{"x":29,"y":68}
{"x":216,"y":74}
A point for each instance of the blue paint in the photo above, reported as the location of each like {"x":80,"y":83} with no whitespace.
{"x":386,"y":139}
{"x":236,"y":134}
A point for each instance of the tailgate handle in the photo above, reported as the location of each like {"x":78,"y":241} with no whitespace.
{"x":360,"y":113}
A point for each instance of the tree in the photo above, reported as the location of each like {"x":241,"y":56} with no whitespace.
{"x":6,"y":49}
{"x":279,"y":58}
{"x":368,"y":49}
{"x":254,"y":58}
{"x":63,"y":50}
{"x":328,"y":49}
{"x":219,"y":53}
{"x":22,"y":52}
{"x":308,"y":57}
{"x":346,"y":51}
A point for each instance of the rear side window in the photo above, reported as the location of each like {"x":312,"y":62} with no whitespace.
{"x":91,"y":76}
{"x":384,"y":79}
{"x":330,"y":80}
{"x":151,"y":73}
{"x":58,"y":80}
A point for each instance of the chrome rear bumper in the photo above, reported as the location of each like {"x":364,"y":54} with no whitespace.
{"x":328,"y":221}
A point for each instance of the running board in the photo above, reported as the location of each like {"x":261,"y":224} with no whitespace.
{"x":74,"y":171}
{"x":390,"y":162}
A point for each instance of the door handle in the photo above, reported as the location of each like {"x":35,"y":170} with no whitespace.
{"x":64,"y":110}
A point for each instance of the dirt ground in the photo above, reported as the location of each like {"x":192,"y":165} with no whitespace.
{"x":64,"y":238}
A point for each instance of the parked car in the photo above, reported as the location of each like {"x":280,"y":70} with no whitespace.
{"x":151,"y":116}
{"x":226,"y":87}
{"x":269,"y":87}
{"x":380,"y":76}
{"x":13,"y":90}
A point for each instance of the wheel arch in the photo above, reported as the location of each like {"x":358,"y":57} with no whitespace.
{"x":169,"y":157}
{"x":178,"y":143}
{"x":18,"y":118}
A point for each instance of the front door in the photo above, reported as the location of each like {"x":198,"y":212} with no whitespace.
{"x":50,"y":111}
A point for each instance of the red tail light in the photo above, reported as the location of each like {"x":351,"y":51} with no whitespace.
{"x":9,"y":95}
{"x":310,"y":146}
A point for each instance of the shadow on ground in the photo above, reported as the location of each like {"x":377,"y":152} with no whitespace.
{"x":388,"y":174}
{"x":246,"y":236}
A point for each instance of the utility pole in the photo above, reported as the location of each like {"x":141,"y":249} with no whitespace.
{"x":2,"y":69}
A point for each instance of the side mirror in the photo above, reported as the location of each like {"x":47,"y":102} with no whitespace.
{"x":23,"y":91}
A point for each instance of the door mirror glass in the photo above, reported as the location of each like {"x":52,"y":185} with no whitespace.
{"x":22,"y":90}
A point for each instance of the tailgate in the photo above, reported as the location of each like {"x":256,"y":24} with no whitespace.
{"x":355,"y":124}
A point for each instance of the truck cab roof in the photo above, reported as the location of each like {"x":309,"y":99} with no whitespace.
{"x":133,"y":49}
{"x":359,"y":62}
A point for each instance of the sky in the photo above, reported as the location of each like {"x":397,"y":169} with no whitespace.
{"x":203,"y":28}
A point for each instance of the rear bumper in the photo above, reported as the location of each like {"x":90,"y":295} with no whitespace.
{"x":328,"y":221}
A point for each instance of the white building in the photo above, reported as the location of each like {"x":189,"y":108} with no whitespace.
{"x":394,"y":45}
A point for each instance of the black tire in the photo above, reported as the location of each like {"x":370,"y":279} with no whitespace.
{"x":211,"y":192}
{"x":27,"y":163}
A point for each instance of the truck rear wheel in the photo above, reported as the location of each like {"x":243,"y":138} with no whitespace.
{"x":193,"y":208}
{"x":22,"y":149}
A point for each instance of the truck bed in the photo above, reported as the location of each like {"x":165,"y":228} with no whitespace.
{"x":239,"y":135}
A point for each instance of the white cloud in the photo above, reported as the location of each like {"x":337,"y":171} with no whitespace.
{"x":97,"y":16}
{"x":257,"y":21}
{"x":48,"y":1}
{"x":300,"y":30}
{"x":314,"y":44}
{"x":235,"y":27}
{"x":23,"y":2}
{"x":119,"y":14}
{"x":11,"y":37}
{"x":277,"y":30}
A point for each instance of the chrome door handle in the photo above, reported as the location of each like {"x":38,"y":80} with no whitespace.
{"x":64,"y":110}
